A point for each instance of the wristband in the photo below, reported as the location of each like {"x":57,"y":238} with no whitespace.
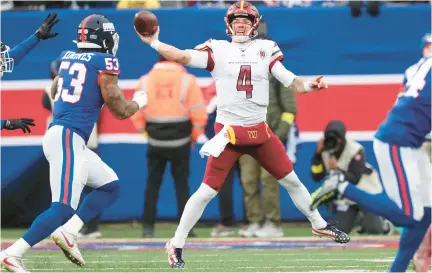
{"x":155,"y":45}
{"x":307,"y":87}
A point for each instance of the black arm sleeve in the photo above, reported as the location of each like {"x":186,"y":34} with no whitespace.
{"x":357,"y":168}
{"x":46,"y":102}
{"x":318,"y":169}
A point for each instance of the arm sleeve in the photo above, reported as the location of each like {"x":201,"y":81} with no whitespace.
{"x":276,"y":56}
{"x":18,"y":52}
{"x":283,"y":75}
{"x":199,"y":59}
{"x":357,"y":168}
{"x":318,"y":169}
{"x":196,"y":108}
{"x":202,"y":56}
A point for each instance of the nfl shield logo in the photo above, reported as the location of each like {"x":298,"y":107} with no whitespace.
{"x":262,"y":53}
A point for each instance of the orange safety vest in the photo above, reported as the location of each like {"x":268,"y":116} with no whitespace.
{"x":175,"y":112}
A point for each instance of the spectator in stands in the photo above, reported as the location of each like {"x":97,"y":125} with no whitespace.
{"x":91,"y":229}
{"x":280,"y":115}
{"x":174,"y":117}
{"x":42,"y":5}
{"x":149,"y":4}
{"x":336,"y":151}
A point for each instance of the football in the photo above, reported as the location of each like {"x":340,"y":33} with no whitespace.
{"x":145,"y":23}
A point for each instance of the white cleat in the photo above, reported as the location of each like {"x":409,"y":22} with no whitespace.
{"x":174,"y":256}
{"x":68,"y":244}
{"x":12,"y":263}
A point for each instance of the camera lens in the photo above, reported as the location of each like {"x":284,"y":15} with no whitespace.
{"x":330,"y":142}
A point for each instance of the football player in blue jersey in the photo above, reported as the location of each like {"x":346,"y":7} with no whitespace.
{"x":404,"y":166}
{"x":87,"y":80}
{"x":9,"y":57}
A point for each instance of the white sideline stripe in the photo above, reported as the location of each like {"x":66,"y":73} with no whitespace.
{"x":205,"y":81}
{"x":212,"y":261}
{"x":140,"y":139}
{"x":206,"y":268}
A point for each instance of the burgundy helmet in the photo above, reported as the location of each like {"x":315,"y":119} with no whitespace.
{"x":243,"y":9}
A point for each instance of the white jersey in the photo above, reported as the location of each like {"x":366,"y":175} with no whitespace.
{"x":241,"y":74}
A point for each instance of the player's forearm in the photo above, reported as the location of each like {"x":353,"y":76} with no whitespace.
{"x":171,"y":53}
{"x":118,"y":105}
{"x":19,"y":51}
{"x":54,"y":87}
{"x":298,"y":85}
{"x":289,"y":79}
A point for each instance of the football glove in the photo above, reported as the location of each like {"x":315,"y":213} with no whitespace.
{"x":44,"y":32}
{"x":21,"y":123}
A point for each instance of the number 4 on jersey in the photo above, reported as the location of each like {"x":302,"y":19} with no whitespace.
{"x":244,"y":81}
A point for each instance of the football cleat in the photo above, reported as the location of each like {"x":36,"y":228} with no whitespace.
{"x":174,"y":256}
{"x":12,"y":263}
{"x":68,"y":244}
{"x":328,"y":191}
{"x":330,"y":231}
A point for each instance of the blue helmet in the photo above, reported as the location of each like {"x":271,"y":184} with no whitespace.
{"x":97,"y":32}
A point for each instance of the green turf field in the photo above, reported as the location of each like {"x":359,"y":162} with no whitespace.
{"x":122,"y":250}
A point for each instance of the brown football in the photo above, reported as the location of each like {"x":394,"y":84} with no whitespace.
{"x":145,"y":23}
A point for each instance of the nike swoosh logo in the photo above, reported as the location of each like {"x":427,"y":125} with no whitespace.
{"x":9,"y":263}
{"x":67,"y":241}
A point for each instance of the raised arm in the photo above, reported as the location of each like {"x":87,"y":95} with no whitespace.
{"x":119,"y":106}
{"x":169,"y":52}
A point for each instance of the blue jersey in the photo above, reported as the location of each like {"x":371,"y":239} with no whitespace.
{"x":79,"y":100}
{"x":409,"y":121}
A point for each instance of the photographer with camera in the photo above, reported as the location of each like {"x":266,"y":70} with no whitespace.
{"x":336,"y":152}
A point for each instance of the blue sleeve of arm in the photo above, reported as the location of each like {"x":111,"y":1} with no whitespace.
{"x":19,"y":51}
{"x":3,"y":122}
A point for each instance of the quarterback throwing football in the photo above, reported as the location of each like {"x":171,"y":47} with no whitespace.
{"x":240,"y":69}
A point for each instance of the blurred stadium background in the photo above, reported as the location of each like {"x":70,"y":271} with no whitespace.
{"x":362,"y":55}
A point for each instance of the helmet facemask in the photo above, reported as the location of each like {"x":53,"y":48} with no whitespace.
{"x":6,"y":62}
{"x":245,"y":36}
{"x":246,"y":10}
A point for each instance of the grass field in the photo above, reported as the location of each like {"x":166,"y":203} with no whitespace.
{"x":122,"y":250}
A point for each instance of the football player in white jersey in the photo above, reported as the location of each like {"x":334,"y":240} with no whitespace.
{"x":240,"y":69}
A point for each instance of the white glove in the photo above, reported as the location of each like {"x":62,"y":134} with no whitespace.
{"x":140,"y":97}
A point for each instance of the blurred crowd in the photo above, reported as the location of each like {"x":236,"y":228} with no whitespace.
{"x":155,"y":4}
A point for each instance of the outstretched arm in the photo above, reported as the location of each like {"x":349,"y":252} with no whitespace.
{"x":19,"y":51}
{"x":169,"y":52}
{"x":119,"y":106}
{"x":295,"y":83}
{"x":43,"y":33}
